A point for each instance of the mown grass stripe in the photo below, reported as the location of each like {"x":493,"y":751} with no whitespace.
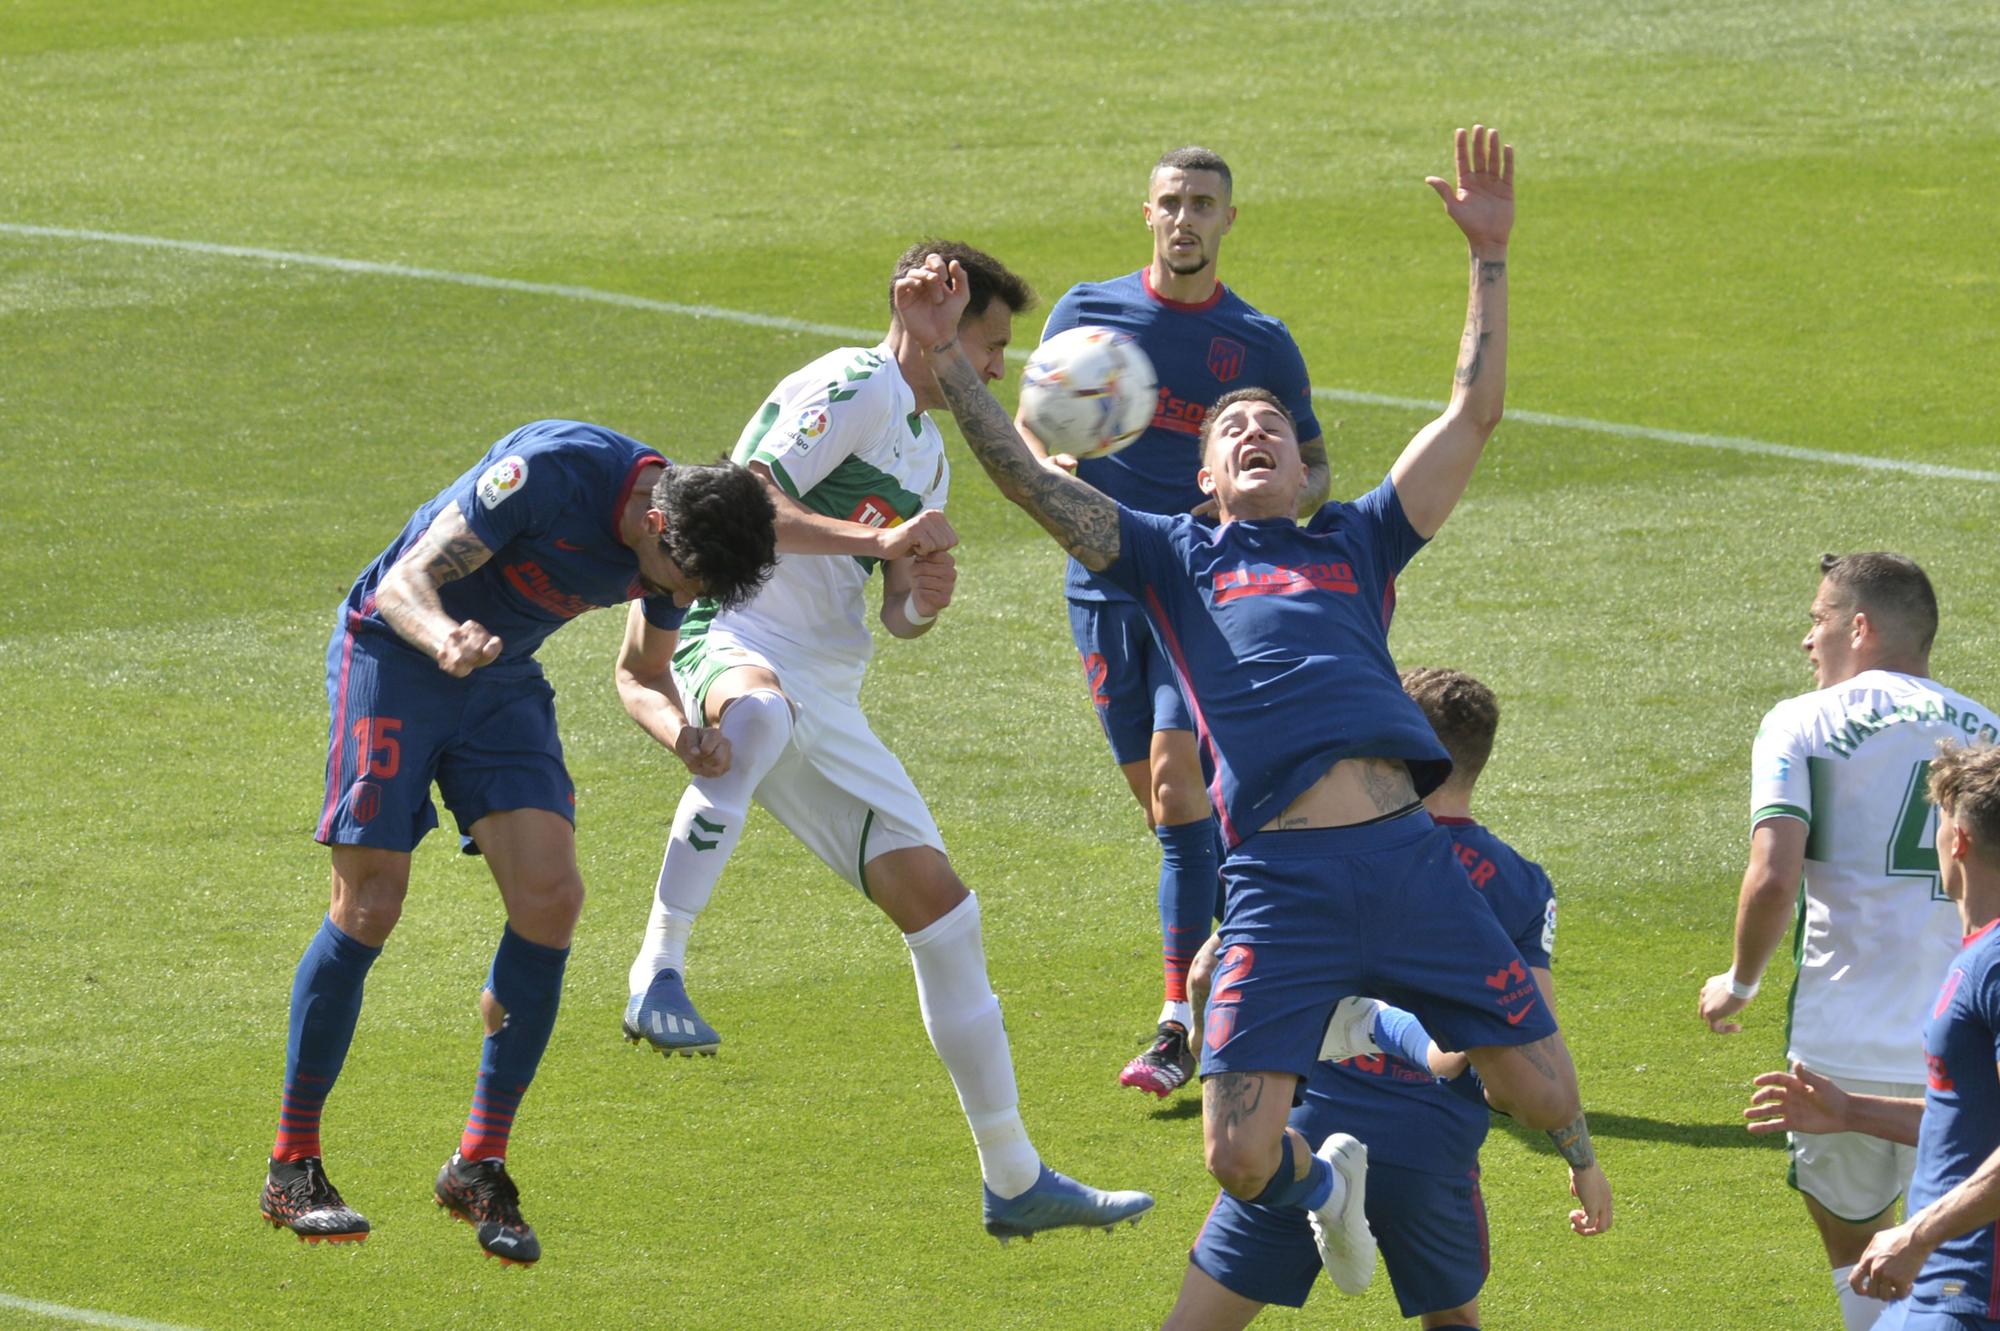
{"x":750,"y":318}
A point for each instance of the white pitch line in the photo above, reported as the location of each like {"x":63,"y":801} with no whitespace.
{"x":564,"y":291}
{"x":83,"y":1316}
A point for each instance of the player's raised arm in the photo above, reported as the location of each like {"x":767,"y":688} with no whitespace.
{"x":929,"y":301}
{"x":801,"y":531}
{"x":408,"y":597}
{"x":1437,"y":464}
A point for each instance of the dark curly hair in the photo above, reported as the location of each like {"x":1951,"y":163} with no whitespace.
{"x":990,"y":279}
{"x":720,"y":529}
{"x":1462,"y":711}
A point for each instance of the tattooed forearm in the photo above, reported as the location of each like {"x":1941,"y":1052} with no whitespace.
{"x":1081,"y":519}
{"x":1573,"y":1143}
{"x":1471,"y":349}
{"x":1491,"y":270}
{"x":1231,"y":1098}
{"x":408,"y":598}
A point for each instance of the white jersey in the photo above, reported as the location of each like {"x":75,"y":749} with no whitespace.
{"x":843,"y":436}
{"x":1875,"y":933}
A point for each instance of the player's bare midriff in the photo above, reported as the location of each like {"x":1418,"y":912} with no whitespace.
{"x":1354,"y":790}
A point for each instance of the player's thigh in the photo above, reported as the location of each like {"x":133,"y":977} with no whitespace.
{"x":1289,"y":952}
{"x":1179,"y":794}
{"x":1435,"y":948}
{"x":1850,"y":1181}
{"x":1247,"y":1256}
{"x":845,"y":797}
{"x":713,"y":670}
{"x":1431,"y":1229}
{"x":532,"y":854}
{"x":732,"y":684}
{"x":505,"y":754}
{"x":1243,"y":1118}
{"x":1114,"y":644}
{"x":391,"y":715}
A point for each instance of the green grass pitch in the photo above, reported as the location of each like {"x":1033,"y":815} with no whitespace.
{"x":1750,"y":220}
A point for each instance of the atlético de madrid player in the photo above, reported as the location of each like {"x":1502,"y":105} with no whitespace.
{"x":431,"y":675}
{"x":1204,"y":340}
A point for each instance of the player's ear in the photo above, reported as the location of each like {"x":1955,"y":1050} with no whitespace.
{"x":1229,"y":220}
{"x":1205,"y":479}
{"x":656,"y":523}
{"x":1863,"y":628}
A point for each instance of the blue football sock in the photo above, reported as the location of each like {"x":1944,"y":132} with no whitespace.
{"x":1188,"y":875}
{"x":1400,"y":1033}
{"x":1309,"y":1192}
{"x":326,"y":1002}
{"x":526,"y":980}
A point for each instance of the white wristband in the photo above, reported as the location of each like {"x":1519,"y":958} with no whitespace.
{"x":911,"y":613}
{"x":1738,"y":989}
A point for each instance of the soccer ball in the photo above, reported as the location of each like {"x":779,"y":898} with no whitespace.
{"x":1088,"y":392}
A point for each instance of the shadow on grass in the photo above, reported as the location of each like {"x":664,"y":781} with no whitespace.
{"x":1183,"y":1107}
{"x":1635,"y":1127}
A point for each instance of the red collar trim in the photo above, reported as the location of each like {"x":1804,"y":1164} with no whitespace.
{"x":625,"y":490}
{"x":1980,"y":932}
{"x":1185,"y":307}
{"x":1443,"y":821}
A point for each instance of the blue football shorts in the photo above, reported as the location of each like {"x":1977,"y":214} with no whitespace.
{"x":1909,"y":1315}
{"x":1131,"y":681}
{"x":1383,"y":909}
{"x":399,"y":723}
{"x":1431,"y":1229}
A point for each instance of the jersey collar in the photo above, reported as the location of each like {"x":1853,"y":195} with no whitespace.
{"x":1980,"y":932}
{"x":1185,"y":307}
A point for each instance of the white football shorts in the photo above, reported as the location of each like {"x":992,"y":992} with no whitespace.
{"x":1853,"y":1175}
{"x":837,"y":788}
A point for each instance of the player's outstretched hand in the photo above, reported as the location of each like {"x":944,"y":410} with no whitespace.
{"x":932,"y":578}
{"x":1062,"y":462}
{"x":466,"y":648}
{"x":1482,"y":200}
{"x":1718,"y":1005}
{"x":1590,"y":1187}
{"x":1797,"y":1101}
{"x":928,"y":533}
{"x":1889,"y":1266}
{"x":930,"y":299}
{"x":703,"y":750}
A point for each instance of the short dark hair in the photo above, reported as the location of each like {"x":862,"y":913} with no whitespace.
{"x":988,"y":277}
{"x":1890,"y":589}
{"x":1462,"y":711}
{"x":1965,"y":782}
{"x":1192,"y":158}
{"x":720,"y":528}
{"x":1230,"y":399}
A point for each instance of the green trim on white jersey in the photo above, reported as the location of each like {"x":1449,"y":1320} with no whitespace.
{"x":1874,"y":930}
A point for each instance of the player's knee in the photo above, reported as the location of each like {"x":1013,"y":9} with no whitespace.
{"x":367,"y":908}
{"x":1243,"y":1171}
{"x":552,"y":903}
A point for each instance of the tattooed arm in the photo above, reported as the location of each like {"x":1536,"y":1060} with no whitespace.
{"x":1436,"y":466}
{"x":408,"y":596}
{"x":929,"y":301}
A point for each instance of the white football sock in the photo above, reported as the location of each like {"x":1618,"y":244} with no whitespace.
{"x":1178,"y":1012}
{"x":707,"y":826}
{"x":1857,"y":1311}
{"x":963,"y":1018}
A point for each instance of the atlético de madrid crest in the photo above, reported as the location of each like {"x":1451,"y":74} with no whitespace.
{"x":1225,"y":358}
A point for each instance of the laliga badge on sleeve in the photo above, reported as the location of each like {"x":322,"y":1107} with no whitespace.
{"x":502,"y":479}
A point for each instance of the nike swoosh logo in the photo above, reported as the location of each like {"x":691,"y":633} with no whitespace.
{"x":1516,"y":1018}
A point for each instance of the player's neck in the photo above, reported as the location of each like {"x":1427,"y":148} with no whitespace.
{"x":1447,"y":801}
{"x":1182,"y":288}
{"x":1979,"y":903}
{"x":1917,"y":666}
{"x":916,"y":372}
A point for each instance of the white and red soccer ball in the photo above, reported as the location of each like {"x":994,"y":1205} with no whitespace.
{"x":1088,"y":392}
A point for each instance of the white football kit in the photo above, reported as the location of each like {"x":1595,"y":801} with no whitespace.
{"x":1874,"y":935}
{"x":844,"y":438}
